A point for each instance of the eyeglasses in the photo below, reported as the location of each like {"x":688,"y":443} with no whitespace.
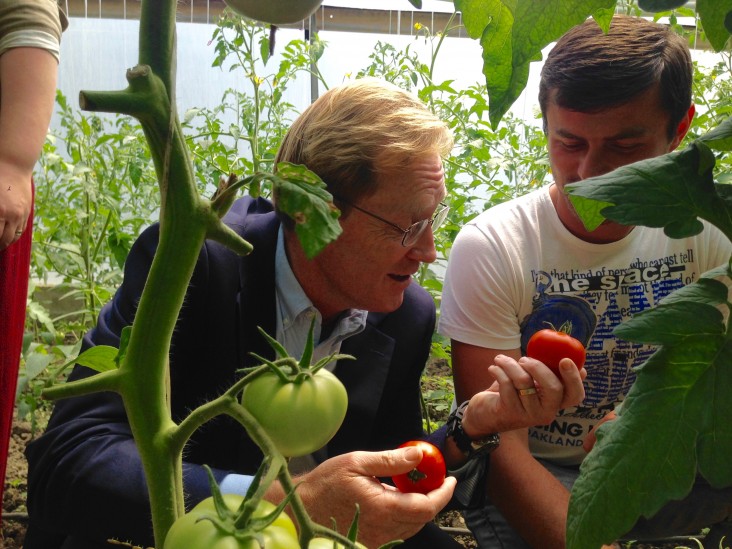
{"x":411,"y":234}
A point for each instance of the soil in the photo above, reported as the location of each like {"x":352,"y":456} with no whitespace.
{"x":14,"y":511}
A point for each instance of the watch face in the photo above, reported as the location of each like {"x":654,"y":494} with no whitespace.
{"x":489,"y":443}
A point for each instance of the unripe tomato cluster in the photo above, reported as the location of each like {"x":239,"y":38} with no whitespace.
{"x":276,"y":12}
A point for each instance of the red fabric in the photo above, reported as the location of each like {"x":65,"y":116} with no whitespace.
{"x":14,"y":272}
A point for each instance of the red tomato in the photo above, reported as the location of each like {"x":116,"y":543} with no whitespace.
{"x":550,"y":346}
{"x":429,"y":473}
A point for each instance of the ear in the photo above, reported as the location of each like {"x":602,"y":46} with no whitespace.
{"x":683,"y":127}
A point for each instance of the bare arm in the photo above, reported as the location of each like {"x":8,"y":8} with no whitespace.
{"x":531,"y":499}
{"x":27,"y":93}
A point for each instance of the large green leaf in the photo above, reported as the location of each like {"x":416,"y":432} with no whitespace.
{"x":302,"y":195}
{"x":666,"y":324}
{"x":706,"y":290}
{"x":673,"y":423}
{"x":720,"y":138}
{"x":670,"y":191}
{"x":513,"y":33}
{"x":714,"y":14}
{"x":651,"y":452}
{"x":101,"y":358}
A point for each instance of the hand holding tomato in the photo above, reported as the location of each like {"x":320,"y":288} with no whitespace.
{"x":501,"y":408}
{"x":428,"y":475}
{"x":331,"y":491}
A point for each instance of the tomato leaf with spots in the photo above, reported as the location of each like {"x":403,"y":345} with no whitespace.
{"x":302,"y":195}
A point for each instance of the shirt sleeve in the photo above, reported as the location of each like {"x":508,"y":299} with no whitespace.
{"x":478,"y":299}
{"x":31,"y":23}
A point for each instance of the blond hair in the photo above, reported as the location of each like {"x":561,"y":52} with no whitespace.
{"x":361,"y":130}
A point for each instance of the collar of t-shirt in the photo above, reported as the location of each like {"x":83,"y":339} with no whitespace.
{"x":295,"y":312}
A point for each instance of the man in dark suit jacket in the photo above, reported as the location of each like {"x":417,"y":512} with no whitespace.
{"x":379,"y":150}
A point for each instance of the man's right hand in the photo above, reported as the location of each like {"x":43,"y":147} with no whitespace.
{"x":503,"y":408}
{"x":332,"y":490}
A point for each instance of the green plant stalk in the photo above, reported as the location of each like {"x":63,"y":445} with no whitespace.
{"x":182,"y":232}
{"x":86,"y":231}
{"x":185,"y":221}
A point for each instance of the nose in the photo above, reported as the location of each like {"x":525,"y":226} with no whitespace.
{"x":424,"y":249}
{"x":593,"y":163}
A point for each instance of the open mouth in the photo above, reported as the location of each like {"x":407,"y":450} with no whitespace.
{"x":400,"y":278}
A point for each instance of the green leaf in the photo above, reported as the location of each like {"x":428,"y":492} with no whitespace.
{"x":604,"y":17}
{"x":416,"y":3}
{"x":706,"y":290}
{"x":513,"y":33}
{"x":124,"y":342}
{"x":264,"y":47}
{"x":668,"y":323}
{"x":589,"y":210}
{"x":301,"y":195}
{"x":676,"y":413}
{"x":673,"y":194}
{"x":36,"y":363}
{"x":101,"y":358}
{"x":660,"y":5}
{"x":648,"y":455}
{"x":720,"y":138}
{"x":715,"y":16}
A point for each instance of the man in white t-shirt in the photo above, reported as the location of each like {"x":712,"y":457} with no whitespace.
{"x":607,"y":100}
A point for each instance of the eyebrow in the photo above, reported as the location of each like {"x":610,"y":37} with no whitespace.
{"x":628,"y":133}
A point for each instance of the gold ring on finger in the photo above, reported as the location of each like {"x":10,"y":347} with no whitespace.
{"x":525,"y":392}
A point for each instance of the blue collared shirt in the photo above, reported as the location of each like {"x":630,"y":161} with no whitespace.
{"x":295,"y":312}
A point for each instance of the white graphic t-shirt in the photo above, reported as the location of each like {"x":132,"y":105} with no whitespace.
{"x":515,"y":268}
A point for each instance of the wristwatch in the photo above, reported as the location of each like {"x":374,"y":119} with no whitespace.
{"x":471,"y":448}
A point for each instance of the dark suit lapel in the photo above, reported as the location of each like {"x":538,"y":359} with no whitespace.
{"x":364,"y":379}
{"x":256,"y":299}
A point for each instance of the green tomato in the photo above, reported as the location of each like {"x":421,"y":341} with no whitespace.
{"x":325,"y":543}
{"x":277,"y":12}
{"x":301,"y":416}
{"x":188,"y":532}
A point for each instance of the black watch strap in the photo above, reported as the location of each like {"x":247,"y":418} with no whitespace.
{"x":471,"y":448}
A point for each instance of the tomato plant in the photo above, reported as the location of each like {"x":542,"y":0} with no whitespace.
{"x":429,"y":473}
{"x":550,"y":346}
{"x":300,"y":415}
{"x":203,"y":528}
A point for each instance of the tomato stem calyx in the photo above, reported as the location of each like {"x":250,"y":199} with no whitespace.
{"x":415,"y":475}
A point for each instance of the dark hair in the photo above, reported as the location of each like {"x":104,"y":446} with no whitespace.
{"x":590,"y":71}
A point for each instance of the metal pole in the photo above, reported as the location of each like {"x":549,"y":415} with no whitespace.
{"x":310,"y":37}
